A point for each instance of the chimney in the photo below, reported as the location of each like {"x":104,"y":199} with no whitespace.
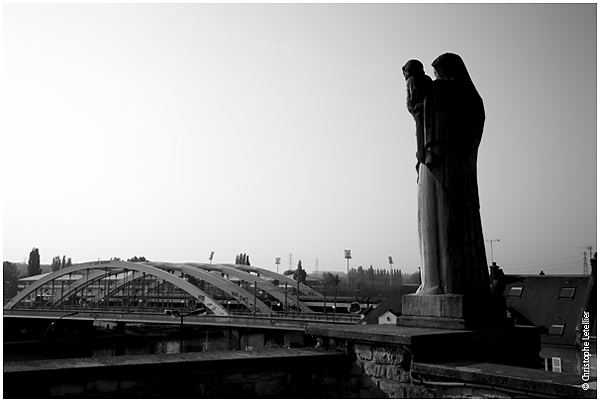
{"x":495,"y":272}
{"x":496,"y":275}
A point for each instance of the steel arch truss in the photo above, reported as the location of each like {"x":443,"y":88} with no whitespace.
{"x":281,"y":278}
{"x":93,"y":271}
{"x":240,"y":294}
{"x":262,"y":284}
{"x":131,"y":273}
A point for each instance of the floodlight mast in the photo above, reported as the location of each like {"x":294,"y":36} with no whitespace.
{"x":348,"y":256}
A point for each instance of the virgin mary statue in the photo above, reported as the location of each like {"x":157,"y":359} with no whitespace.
{"x":450,"y":233}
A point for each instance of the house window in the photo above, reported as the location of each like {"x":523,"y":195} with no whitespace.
{"x":515,"y":291}
{"x":556,"y":367}
{"x":567,"y":293}
{"x":556,"y":330}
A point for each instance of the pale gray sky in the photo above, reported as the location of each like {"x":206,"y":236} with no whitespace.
{"x":170,"y":130}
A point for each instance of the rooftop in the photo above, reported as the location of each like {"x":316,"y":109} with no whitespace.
{"x":554,"y":302}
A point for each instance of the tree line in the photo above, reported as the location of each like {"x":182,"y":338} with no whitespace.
{"x":11,"y":272}
{"x":371,"y":282}
{"x":361,"y":282}
{"x":375,"y":276}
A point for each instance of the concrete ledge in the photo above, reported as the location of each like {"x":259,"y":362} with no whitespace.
{"x":450,"y":311}
{"x":527,"y":382}
{"x":386,"y":334}
{"x":434,"y":322}
{"x":125,"y":362}
{"x":282,"y":373}
{"x":517,"y":346}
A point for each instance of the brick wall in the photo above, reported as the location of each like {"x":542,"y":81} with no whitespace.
{"x":569,"y":357}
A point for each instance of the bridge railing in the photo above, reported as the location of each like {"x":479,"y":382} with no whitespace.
{"x":298,"y":316}
{"x":329,"y":317}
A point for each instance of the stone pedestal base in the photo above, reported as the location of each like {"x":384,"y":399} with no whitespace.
{"x":517,"y":346}
{"x":452,"y":312}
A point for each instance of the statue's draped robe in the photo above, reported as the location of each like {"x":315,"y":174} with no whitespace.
{"x":417,"y":88}
{"x":450,"y":233}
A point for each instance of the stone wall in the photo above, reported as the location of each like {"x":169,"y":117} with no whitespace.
{"x":274,"y":373}
{"x":384,"y":371}
{"x":334,"y":368}
{"x":378,"y":370}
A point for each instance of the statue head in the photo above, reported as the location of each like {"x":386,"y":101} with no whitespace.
{"x":412,"y":68}
{"x":450,"y":67}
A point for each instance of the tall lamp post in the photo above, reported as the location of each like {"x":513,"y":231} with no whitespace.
{"x":212,"y":254}
{"x":285,"y":292}
{"x":116,"y":328}
{"x":348,"y":256}
{"x":177,"y":314}
{"x":391,"y":262}
{"x":277,"y":262}
{"x":325,"y":299}
{"x":335,"y":290}
{"x":492,"y":248}
{"x":298,"y":297}
{"x":254,"y":306}
{"x":54,"y":322}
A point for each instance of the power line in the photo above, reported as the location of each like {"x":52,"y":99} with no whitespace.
{"x":544,"y":267}
{"x":334,"y":263}
{"x":550,"y":263}
{"x":558,"y":269}
{"x":573,"y":267}
{"x":538,"y":261}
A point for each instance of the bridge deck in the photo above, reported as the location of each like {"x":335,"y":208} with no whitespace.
{"x":296,"y":322}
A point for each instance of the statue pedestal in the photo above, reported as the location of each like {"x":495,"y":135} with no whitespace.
{"x":518,"y":346}
{"x":450,"y":311}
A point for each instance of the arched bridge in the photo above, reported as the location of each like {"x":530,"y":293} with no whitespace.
{"x":145,"y":287}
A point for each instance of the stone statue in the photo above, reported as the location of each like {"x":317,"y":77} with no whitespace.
{"x":449,"y":118}
{"x":418,"y":86}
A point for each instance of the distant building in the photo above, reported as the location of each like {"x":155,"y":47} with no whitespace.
{"x":389,"y":306}
{"x":556,"y":304}
{"x":389,"y":317}
{"x":314,"y":280}
{"x":47,"y":292}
